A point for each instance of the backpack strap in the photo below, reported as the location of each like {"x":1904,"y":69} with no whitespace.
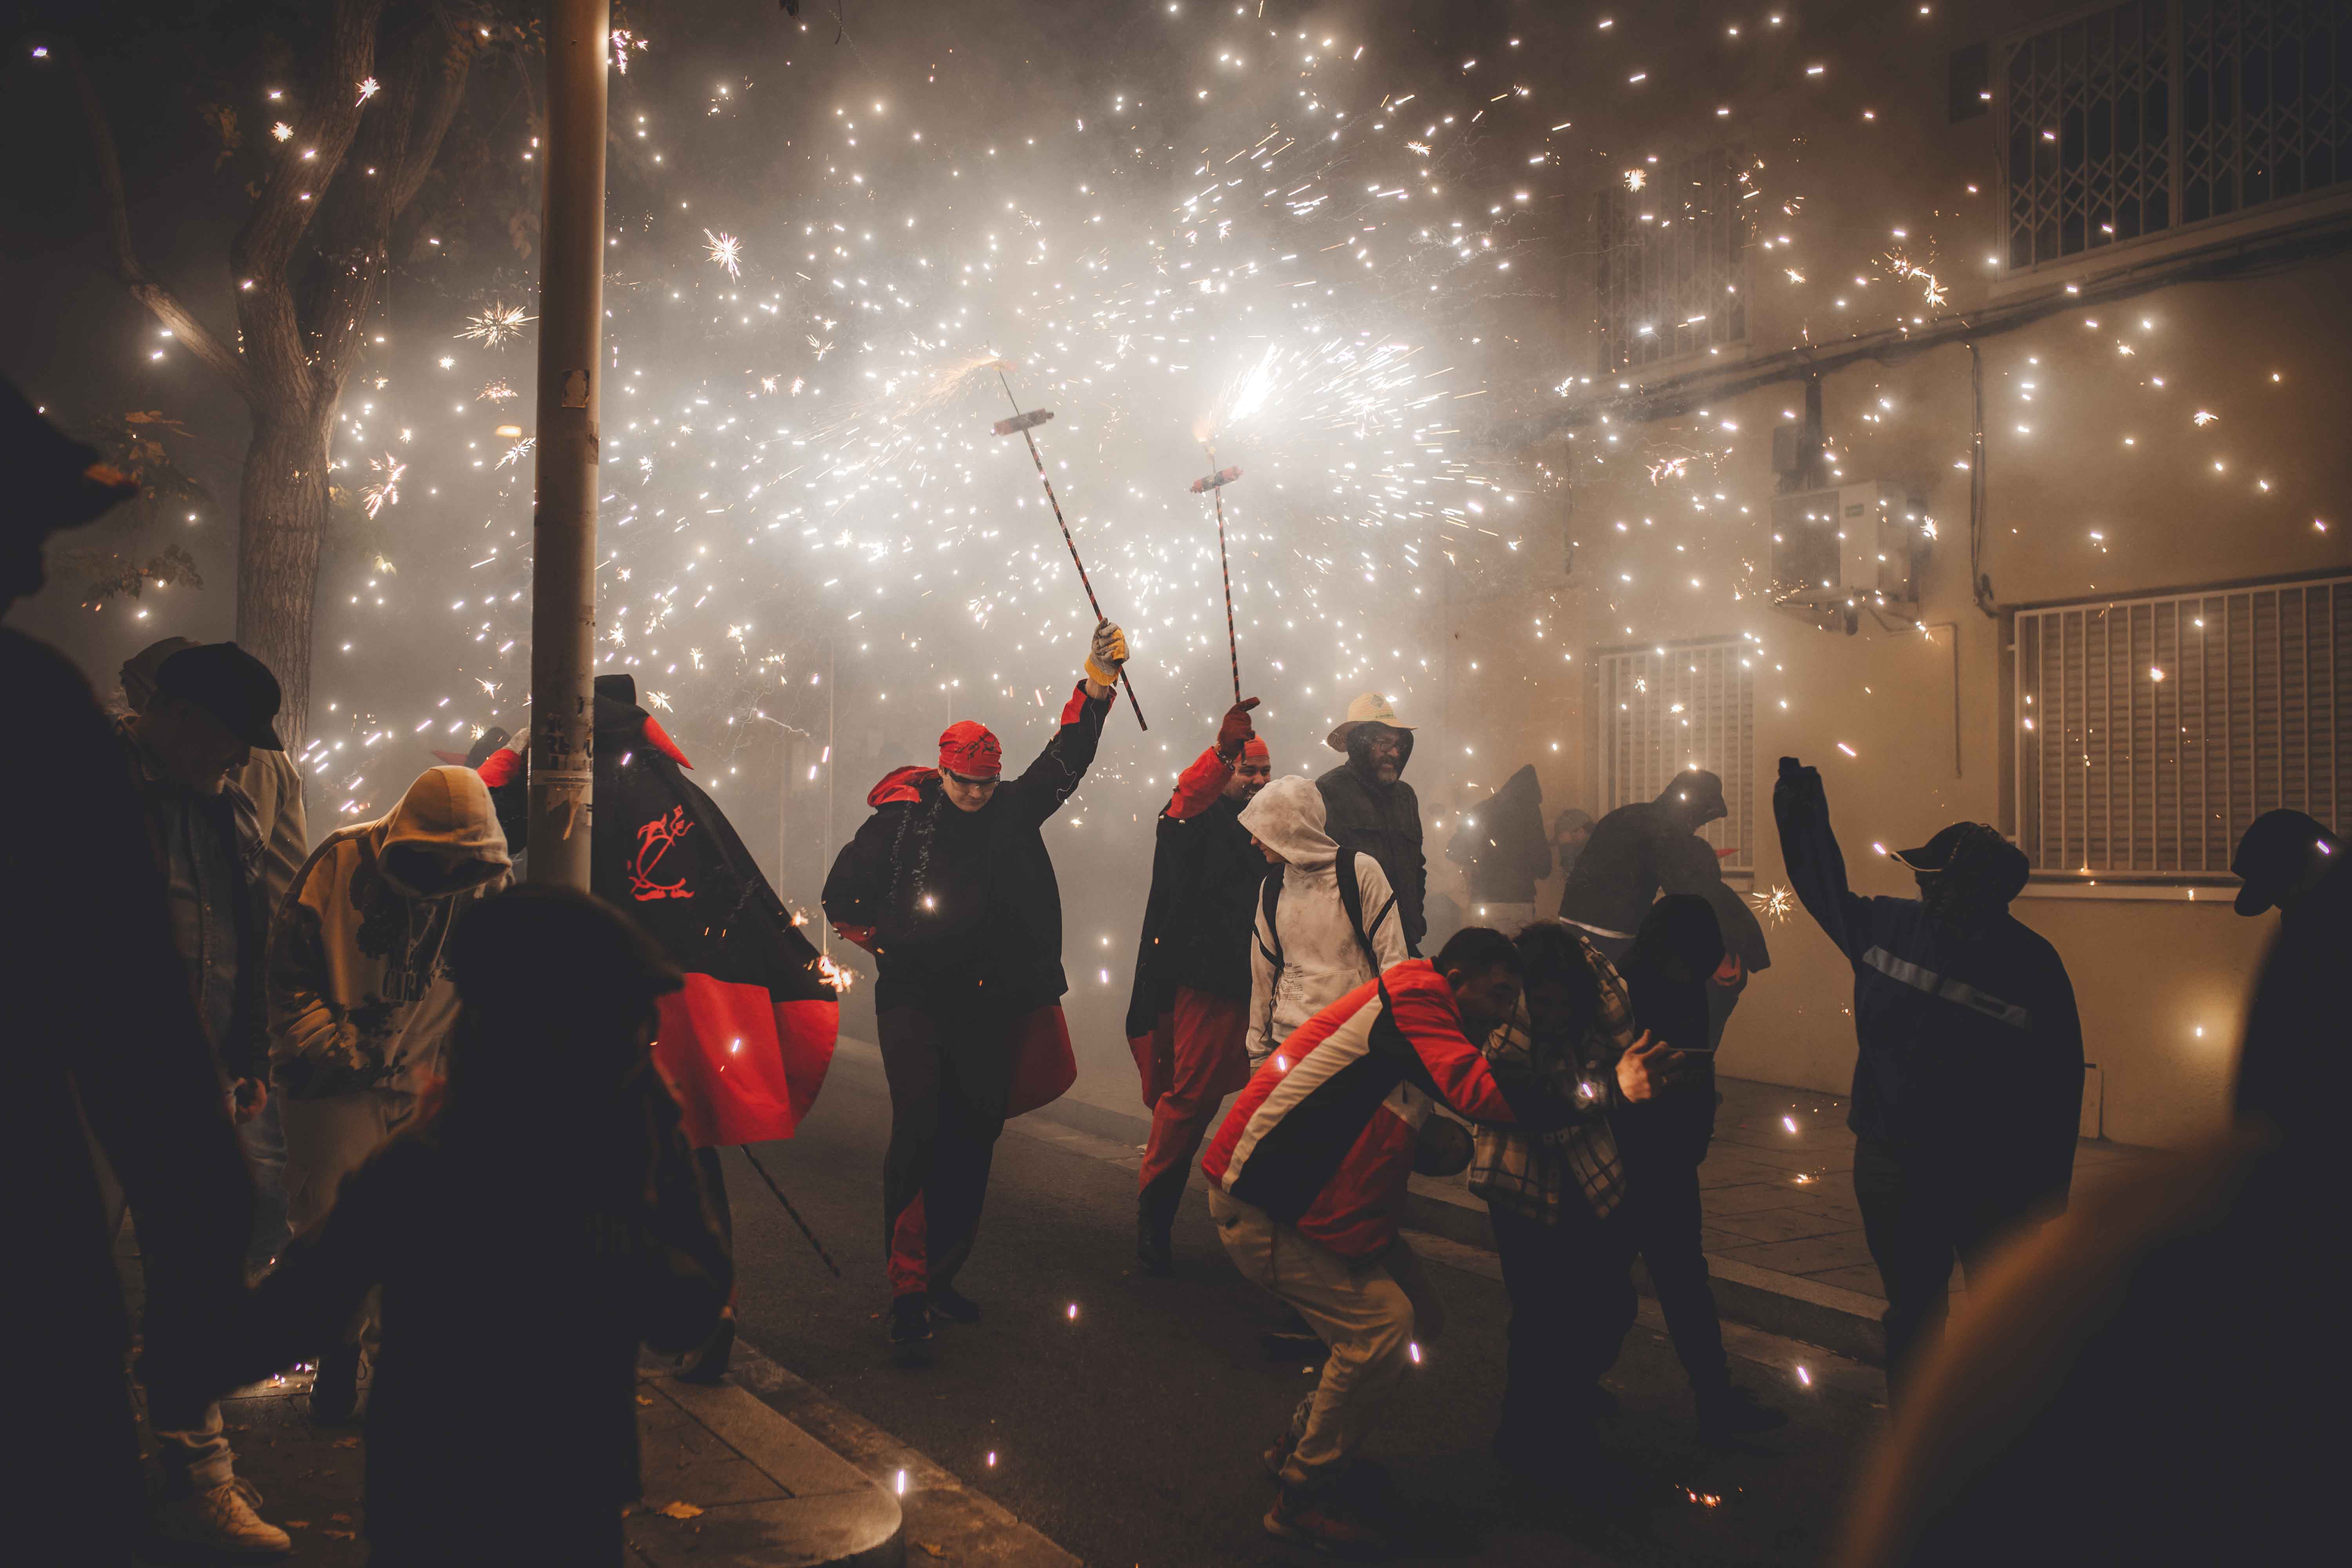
{"x":1269,"y":899}
{"x":1352,"y":900}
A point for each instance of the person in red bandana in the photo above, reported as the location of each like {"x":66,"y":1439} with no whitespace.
{"x":949,"y":886}
{"x":1188,"y":1018}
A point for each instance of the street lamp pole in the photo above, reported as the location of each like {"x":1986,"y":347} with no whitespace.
{"x":563,"y":525}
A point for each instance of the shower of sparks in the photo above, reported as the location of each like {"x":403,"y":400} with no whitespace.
{"x":2204,"y":416}
{"x":369,"y":88}
{"x":1774,"y":904}
{"x":492,"y":328}
{"x":283,"y":131}
{"x":1636,"y":178}
{"x":623,"y":40}
{"x":727,"y":250}
{"x":386,"y":491}
{"x":497,"y":392}
{"x":519,"y":451}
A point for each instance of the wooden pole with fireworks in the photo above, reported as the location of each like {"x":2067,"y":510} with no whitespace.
{"x":1215,"y":485}
{"x":1023,"y":423}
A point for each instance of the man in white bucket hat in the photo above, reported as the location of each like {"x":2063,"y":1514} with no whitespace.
{"x":1370,"y":809}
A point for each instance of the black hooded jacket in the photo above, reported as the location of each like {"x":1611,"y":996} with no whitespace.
{"x":1205,"y":876}
{"x":1503,"y":842}
{"x":1640,"y":850}
{"x":1383,"y":821}
{"x":1971,"y":1046}
{"x":959,"y":908}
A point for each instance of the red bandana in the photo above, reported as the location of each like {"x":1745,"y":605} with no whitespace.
{"x":967,"y":749}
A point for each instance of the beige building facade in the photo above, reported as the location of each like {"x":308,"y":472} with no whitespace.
{"x":2071,"y":296}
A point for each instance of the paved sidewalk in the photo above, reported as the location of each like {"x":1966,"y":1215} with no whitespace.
{"x":730,"y":1481}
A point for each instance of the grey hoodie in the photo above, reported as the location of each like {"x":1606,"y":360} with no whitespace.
{"x":360,"y":994}
{"x":1321,"y":959}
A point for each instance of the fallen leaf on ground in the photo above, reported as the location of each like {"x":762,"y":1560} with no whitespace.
{"x":643,"y":1400}
{"x":347,"y":1442}
{"x":341,"y":1535}
{"x":294,"y":1524}
{"x":679,"y":1510}
{"x":934,"y":1551}
{"x":341,"y":1517}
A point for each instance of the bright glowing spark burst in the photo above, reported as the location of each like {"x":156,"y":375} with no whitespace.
{"x":623,"y":40}
{"x":727,"y":250}
{"x":492,"y":328}
{"x":1805,"y":1376}
{"x":521,"y":449}
{"x":386,"y":491}
{"x":1636,"y":178}
{"x":2204,"y":416}
{"x":497,"y":392}
{"x":1774,"y":904}
{"x":369,"y":88}
{"x":1790,"y":1122}
{"x":283,"y":131}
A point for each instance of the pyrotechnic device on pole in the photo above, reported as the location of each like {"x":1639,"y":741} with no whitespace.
{"x":1023,"y":424}
{"x":1215,"y":485}
{"x":564,"y":527}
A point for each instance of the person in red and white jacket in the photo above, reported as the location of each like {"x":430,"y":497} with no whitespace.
{"x":1308,"y":1181}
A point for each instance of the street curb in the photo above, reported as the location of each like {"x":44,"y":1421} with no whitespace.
{"x":944,"y":1519}
{"x":1846,"y":1321}
{"x":832,"y":1515}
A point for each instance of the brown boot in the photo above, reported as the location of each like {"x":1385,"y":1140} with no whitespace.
{"x":1321,"y":1521}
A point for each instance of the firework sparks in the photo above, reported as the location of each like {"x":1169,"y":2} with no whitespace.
{"x":386,"y":491}
{"x":727,"y":250}
{"x":1774,"y":904}
{"x":283,"y":131}
{"x":494,"y":327}
{"x":519,"y":451}
{"x":497,"y":392}
{"x":369,"y":88}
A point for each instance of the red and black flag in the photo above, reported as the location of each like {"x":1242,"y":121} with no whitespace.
{"x":746,"y":1044}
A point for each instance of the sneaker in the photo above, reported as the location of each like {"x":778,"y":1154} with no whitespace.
{"x":335,"y":1387}
{"x":955,"y":1306}
{"x":1734,"y":1412}
{"x":221,"y":1522}
{"x":1322,"y":1521}
{"x":708,"y":1364}
{"x":910,"y":1328}
{"x":1155,"y":1252}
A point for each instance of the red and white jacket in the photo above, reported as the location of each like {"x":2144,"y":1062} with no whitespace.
{"x":1322,"y":1137}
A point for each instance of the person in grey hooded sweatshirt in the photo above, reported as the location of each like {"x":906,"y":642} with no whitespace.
{"x":362,"y":1004}
{"x":1308,"y":954}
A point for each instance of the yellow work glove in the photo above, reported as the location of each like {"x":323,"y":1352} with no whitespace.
{"x":1107,"y":654}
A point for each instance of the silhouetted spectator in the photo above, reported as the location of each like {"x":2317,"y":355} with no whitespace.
{"x":1664,"y":1139}
{"x":2158,"y":1377}
{"x":105,"y":1058}
{"x":550,"y":1187}
{"x":1502,"y":845}
{"x":1968,"y":1087}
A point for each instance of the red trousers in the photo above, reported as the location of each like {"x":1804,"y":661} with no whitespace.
{"x":1192,"y":1058}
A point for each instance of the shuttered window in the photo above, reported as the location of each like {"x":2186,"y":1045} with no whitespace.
{"x":1685,"y":706}
{"x":1673,"y":258}
{"x":2151,"y":732}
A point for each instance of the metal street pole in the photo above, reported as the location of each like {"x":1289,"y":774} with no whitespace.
{"x":563,"y":525}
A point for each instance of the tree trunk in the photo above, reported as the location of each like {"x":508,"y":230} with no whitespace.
{"x":282,"y":517}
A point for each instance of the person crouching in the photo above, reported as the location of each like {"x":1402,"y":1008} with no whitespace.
{"x":551,"y":1187}
{"x":1306,"y":1179}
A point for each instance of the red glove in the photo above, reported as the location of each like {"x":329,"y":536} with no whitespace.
{"x":1234,"y":731}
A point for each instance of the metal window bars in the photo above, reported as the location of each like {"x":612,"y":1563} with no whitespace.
{"x":2151,"y":731}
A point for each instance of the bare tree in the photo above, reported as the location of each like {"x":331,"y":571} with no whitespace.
{"x":378,"y":94}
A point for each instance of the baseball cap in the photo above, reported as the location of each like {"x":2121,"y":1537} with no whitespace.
{"x":229,"y":683}
{"x":2273,"y":856}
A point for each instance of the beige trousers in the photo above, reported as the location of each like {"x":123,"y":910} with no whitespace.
{"x":327,"y":1139}
{"x":1370,"y":1314}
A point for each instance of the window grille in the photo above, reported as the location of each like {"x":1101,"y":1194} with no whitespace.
{"x":2137,"y":120}
{"x":1673,"y":260}
{"x":1685,"y":706}
{"x":2152,"y":730}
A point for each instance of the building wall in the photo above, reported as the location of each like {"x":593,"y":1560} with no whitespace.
{"x":2101,"y":481}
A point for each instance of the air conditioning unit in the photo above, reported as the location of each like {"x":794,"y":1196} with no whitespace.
{"x":1836,"y":553}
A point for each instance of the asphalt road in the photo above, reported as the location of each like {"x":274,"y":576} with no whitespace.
{"x":1130,"y":1433}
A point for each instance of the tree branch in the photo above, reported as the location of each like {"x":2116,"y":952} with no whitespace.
{"x":164,"y":305}
{"x":292,"y":198}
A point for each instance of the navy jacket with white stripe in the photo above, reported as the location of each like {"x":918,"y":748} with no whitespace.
{"x":1970,"y":1047}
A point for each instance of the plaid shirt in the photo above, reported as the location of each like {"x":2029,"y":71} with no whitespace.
{"x":1532,"y":1173}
